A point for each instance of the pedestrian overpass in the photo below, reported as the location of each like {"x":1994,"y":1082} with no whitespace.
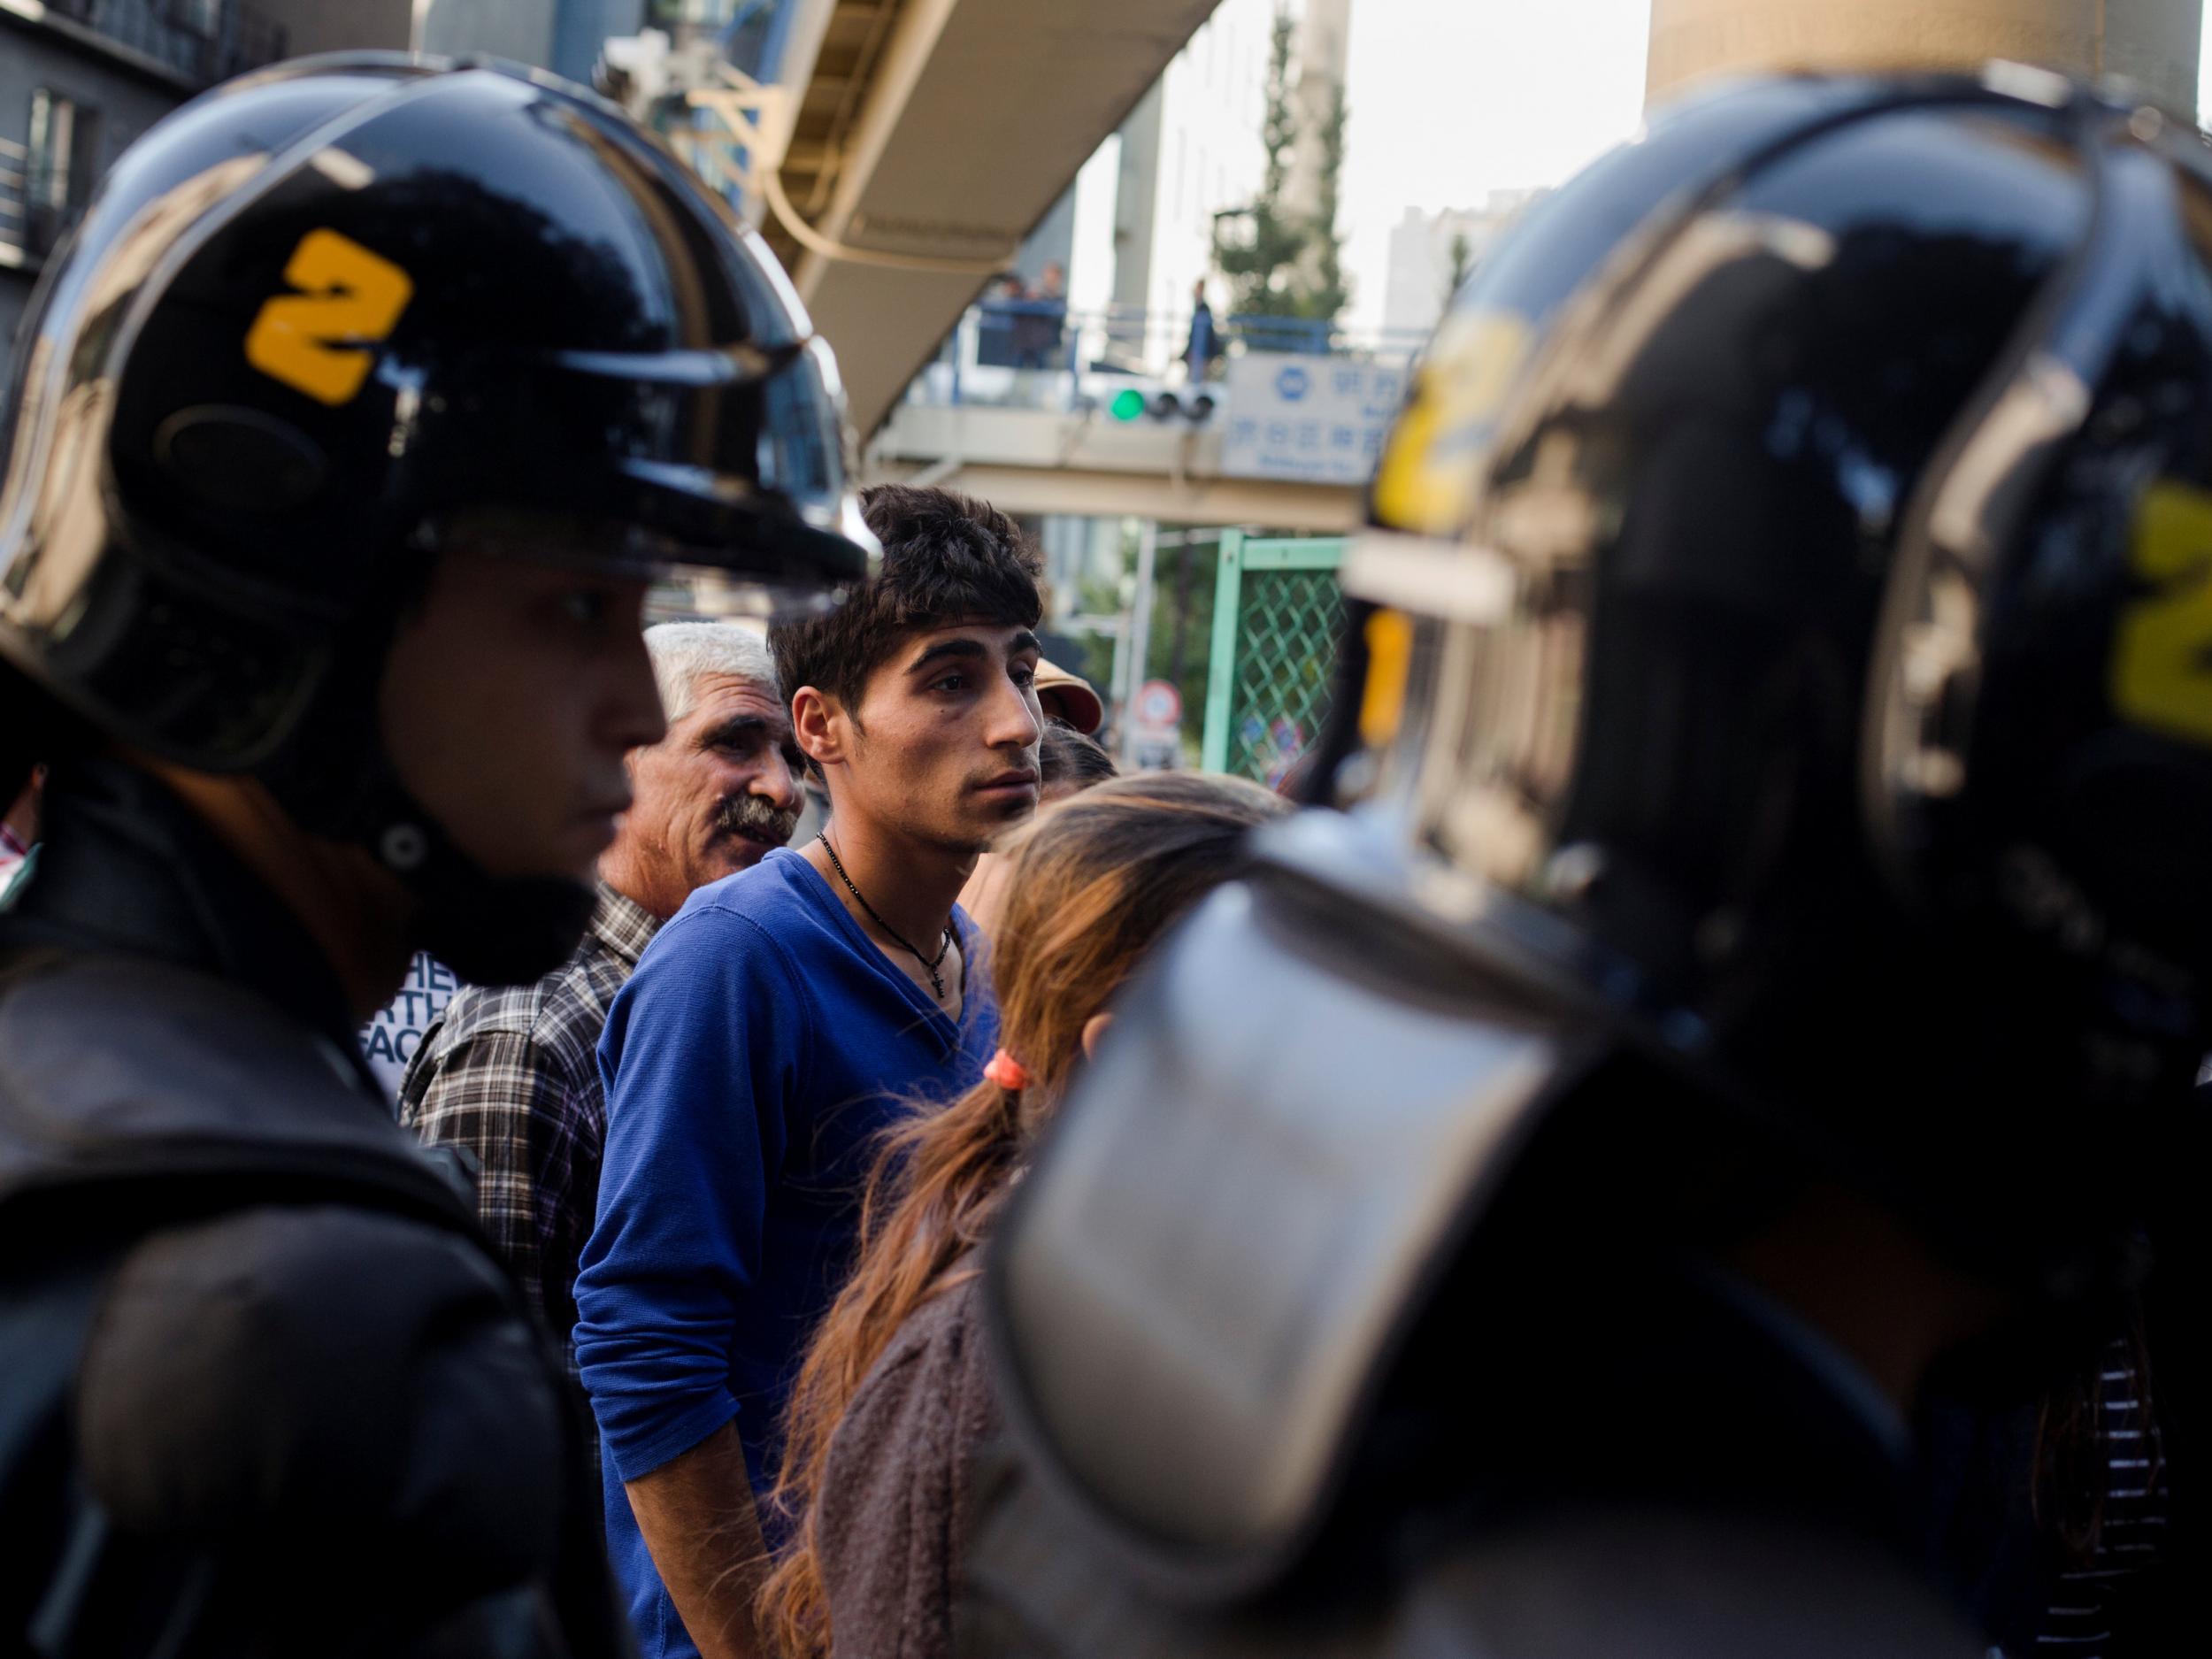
{"x":895,"y":152}
{"x":1114,"y":427}
{"x":1082,"y":463}
{"x":899,"y":150}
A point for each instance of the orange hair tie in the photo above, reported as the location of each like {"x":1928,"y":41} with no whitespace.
{"x":1007,"y":1073}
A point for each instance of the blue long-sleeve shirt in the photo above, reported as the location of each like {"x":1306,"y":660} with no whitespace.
{"x":749,"y":1063}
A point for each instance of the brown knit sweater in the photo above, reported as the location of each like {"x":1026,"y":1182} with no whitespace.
{"x":893,"y":1506}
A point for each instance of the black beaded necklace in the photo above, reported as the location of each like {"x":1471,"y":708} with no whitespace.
{"x":936,"y":979}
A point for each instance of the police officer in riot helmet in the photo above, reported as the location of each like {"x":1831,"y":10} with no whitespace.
{"x":1727,"y":1072}
{"x":346,"y":438}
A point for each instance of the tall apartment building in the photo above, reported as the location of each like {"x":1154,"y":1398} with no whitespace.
{"x":1418,"y":279}
{"x":562,"y":36}
{"x":1135,"y":231}
{"x":521,"y":30}
{"x":80,"y":79}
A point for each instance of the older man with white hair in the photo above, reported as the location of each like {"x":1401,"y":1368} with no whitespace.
{"x":511,"y":1073}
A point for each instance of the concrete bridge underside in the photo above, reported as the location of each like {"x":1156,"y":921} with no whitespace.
{"x":1027,"y":461}
{"x":938,"y":132}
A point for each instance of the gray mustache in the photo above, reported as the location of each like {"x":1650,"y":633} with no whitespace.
{"x":749,"y":814}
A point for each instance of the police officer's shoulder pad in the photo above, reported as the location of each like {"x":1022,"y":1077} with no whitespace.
{"x":1199,"y":1290}
{"x":323,"y":1371}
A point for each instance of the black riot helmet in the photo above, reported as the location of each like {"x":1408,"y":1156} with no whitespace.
{"x":1798,"y":632}
{"x":329,"y":320}
{"x":1778,"y":735}
{"x":1777,"y":727}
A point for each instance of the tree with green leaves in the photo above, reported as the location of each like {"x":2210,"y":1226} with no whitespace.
{"x":1462,"y":264}
{"x":1280,"y":262}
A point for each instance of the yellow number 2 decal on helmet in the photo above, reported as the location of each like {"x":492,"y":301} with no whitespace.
{"x":315,"y":341}
{"x":1431,"y":468}
{"x":2161,"y":657}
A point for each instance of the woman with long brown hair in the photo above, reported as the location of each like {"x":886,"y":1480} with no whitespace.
{"x":894,"y":1395}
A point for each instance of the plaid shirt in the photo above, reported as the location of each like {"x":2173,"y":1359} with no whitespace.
{"x":512,"y":1072}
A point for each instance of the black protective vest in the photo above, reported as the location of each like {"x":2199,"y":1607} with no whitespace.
{"x":266,"y":1389}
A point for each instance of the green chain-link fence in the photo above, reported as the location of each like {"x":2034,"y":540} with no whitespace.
{"x":1276,"y":612}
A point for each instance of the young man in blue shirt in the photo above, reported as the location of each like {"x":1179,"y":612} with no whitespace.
{"x":781,"y":1018}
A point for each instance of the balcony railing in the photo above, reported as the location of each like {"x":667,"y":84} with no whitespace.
{"x":204,"y":41}
{"x":14,"y":228}
{"x":1037,"y":354}
{"x":31,"y":222}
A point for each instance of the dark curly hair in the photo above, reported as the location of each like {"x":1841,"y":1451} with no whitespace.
{"x":947,"y":558}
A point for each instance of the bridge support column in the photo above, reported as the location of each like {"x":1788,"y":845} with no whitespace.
{"x":2152,"y":43}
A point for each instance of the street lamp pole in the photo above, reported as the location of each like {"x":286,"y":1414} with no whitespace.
{"x":1139,"y":639}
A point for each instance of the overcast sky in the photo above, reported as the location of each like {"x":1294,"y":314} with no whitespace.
{"x":1451,"y":99}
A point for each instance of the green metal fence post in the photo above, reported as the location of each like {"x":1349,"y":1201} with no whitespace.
{"x":1279,"y":661}
{"x":1221,"y":663}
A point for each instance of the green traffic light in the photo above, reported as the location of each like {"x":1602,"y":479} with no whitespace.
{"x":1127,"y":406}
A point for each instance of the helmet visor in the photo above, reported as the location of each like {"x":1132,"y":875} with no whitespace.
{"x":720,"y":472}
{"x":769,"y":572}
